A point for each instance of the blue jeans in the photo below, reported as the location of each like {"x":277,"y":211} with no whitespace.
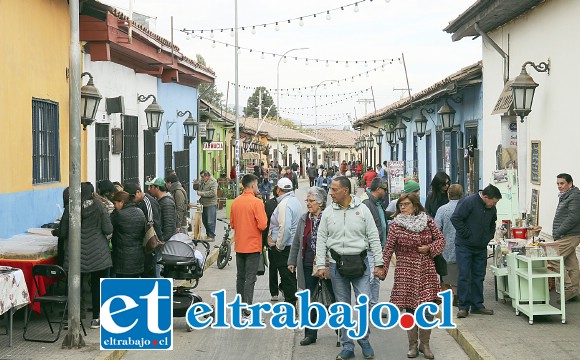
{"x":375,"y":283}
{"x":208,"y":218}
{"x":471,"y":263}
{"x":342,"y":293}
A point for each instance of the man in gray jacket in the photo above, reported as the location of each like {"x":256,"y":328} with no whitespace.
{"x":207,"y":191}
{"x":181,"y":202}
{"x":566,"y":230}
{"x":348,"y":228}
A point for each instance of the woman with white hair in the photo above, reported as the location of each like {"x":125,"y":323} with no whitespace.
{"x":303,"y":251}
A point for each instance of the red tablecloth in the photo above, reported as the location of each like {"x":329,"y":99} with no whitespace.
{"x":26,"y":266}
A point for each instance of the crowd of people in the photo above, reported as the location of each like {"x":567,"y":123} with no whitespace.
{"x":348,"y":244}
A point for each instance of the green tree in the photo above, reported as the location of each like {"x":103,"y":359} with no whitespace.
{"x":253,"y":102}
{"x":209,"y":91}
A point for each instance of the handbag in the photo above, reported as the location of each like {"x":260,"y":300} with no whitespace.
{"x":150,"y":241}
{"x":261,"y":265}
{"x":440,"y":265}
{"x":350,"y":266}
{"x":322,"y":294}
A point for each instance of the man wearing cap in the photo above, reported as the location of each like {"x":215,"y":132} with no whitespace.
{"x":411,"y":186}
{"x":150,"y":207}
{"x":207,"y":190}
{"x":181,"y":202}
{"x":158,"y":190}
{"x":283,"y":224}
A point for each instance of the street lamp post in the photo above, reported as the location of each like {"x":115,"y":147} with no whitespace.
{"x":316,"y":116}
{"x":278,"y":99}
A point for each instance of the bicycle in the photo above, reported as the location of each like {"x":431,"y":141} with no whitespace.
{"x":225,"y":248}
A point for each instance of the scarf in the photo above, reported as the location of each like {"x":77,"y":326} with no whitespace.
{"x":315,"y":221}
{"x":413,"y":223}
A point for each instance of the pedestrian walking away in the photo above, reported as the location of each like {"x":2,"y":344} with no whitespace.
{"x":248,"y":220}
{"x":273,"y":284}
{"x":415,"y":239}
{"x":566,"y":231}
{"x":283,"y":225}
{"x":474,"y":221}
{"x":347,"y":230}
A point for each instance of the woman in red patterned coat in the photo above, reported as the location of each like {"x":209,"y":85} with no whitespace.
{"x":415,"y":239}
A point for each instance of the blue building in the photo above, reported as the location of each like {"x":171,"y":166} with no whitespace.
{"x":436,"y":129}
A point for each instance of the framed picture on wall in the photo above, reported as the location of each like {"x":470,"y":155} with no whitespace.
{"x":535,"y":164}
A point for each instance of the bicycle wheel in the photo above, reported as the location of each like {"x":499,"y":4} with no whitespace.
{"x":224,"y":254}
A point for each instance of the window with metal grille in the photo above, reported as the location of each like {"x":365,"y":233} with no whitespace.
{"x":168,"y":156}
{"x":130,"y":157}
{"x":45,"y":141}
{"x":150,"y":153}
{"x":102,"y":151}
{"x":182,"y":168}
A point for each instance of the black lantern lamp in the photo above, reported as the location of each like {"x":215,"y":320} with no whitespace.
{"x":370,"y":141}
{"x":401,"y":130}
{"x":379,"y":137}
{"x":189,"y":125}
{"x":90,"y":98}
{"x":153,"y":112}
{"x":524,"y":87}
{"x":247,"y":144}
{"x":447,"y":115}
{"x":421,"y":125}
{"x":210,"y":131}
{"x":390,"y":135}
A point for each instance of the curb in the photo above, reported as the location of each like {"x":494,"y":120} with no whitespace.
{"x":113,"y":355}
{"x":469,"y":343}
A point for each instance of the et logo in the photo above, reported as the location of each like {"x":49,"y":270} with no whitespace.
{"x":136,"y":314}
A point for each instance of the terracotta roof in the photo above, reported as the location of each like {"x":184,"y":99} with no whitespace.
{"x":337,"y":138}
{"x":273,"y":131}
{"x":119,"y":14}
{"x":449,"y":85}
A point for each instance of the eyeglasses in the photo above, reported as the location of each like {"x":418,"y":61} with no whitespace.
{"x":384,"y":188}
{"x":309,"y":201}
{"x":405,"y":204}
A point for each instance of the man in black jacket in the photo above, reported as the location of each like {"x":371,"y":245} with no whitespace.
{"x":150,"y":207}
{"x":474,"y":221}
{"x":158,"y":190}
{"x":566,"y":230}
{"x":273,"y":283}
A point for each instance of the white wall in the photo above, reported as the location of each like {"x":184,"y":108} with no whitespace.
{"x":114,"y":80}
{"x":539,"y":35}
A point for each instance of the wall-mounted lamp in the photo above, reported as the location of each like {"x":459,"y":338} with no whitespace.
{"x":153,"y":112}
{"x":447,"y":115}
{"x":523,"y":88}
{"x":90,"y":98}
{"x":421,"y":122}
{"x":390,"y":132}
{"x":189,"y":125}
{"x":379,"y":137}
{"x":285,"y":147}
{"x":370,"y":141}
{"x":401,"y":130}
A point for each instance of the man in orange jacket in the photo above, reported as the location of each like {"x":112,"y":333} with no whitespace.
{"x":248,"y":219}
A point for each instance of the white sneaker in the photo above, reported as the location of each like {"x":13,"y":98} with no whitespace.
{"x":274,"y":298}
{"x":95,"y":324}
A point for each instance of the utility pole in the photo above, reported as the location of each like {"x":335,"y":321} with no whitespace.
{"x":366,"y":102}
{"x":260,"y":104}
{"x":403,"y":91}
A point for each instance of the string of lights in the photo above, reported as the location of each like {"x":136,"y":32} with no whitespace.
{"x":312,"y":87}
{"x":276,"y":24}
{"x":307,"y":60}
{"x":357,"y":92}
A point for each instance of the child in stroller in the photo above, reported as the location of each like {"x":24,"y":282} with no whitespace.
{"x":181,"y":260}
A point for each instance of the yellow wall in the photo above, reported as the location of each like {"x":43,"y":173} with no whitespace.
{"x":34,"y":57}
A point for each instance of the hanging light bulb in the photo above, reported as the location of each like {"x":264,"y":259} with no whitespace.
{"x":262,"y":55}
{"x":253,"y":30}
{"x":367,"y":74}
{"x":347,"y":64}
{"x":301,"y":22}
{"x":355,"y":7}
{"x":383,"y":68}
{"x":306,"y":62}
{"x":326,"y":63}
{"x":211,"y":34}
{"x":284,"y":59}
{"x":328,"y":15}
{"x":213,"y":44}
{"x":187,"y":37}
{"x":366,"y":65}
{"x":277,"y":27}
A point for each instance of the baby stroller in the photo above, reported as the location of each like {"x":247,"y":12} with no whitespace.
{"x":181,"y":260}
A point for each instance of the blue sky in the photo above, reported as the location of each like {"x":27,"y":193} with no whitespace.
{"x":379,"y":30}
